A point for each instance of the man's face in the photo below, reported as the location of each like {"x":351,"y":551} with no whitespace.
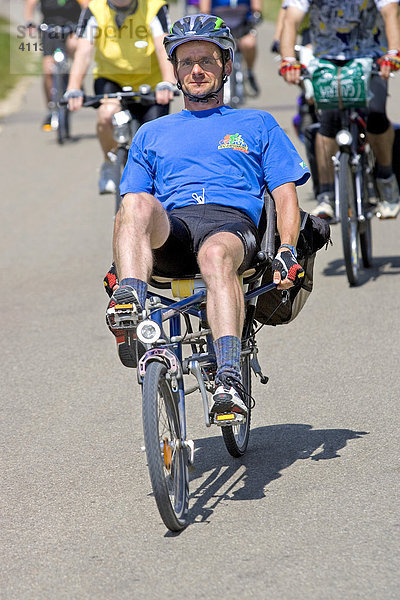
{"x":202,"y":77}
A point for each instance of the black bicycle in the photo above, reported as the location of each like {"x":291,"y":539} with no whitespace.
{"x":355,"y":192}
{"x":60,"y":115}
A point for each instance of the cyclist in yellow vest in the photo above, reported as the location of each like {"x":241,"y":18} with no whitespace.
{"x":127,"y":39}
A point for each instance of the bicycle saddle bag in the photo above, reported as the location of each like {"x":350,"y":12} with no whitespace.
{"x":341,"y":85}
{"x":282,"y":306}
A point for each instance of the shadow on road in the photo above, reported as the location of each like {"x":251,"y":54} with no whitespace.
{"x":381,"y":265}
{"x":271,"y":450}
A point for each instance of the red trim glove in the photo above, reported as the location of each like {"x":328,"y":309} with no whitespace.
{"x":390,"y":59}
{"x":289,"y":63}
{"x":287,"y":265}
{"x":110,"y":280}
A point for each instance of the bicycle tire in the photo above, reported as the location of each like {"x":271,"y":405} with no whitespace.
{"x":366,"y":243}
{"x":348,"y":219}
{"x":63,"y":112}
{"x":365,"y":228}
{"x":166,"y":458}
{"x":236,"y":437}
{"x":122,"y":156}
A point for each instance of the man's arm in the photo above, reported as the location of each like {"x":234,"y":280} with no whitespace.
{"x":29,"y":10}
{"x":167,"y":71}
{"x":79,"y":67}
{"x":392,"y":29}
{"x":205,"y":7}
{"x":291,"y":23}
{"x":288,"y":222}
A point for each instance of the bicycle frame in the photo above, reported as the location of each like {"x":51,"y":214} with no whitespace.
{"x":167,"y":310}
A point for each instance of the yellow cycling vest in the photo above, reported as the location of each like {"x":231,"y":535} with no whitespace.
{"x":126,"y":55}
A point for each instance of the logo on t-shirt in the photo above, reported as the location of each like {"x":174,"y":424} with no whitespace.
{"x":234,"y":142}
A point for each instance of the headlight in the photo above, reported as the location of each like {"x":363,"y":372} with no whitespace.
{"x":148,"y":331}
{"x":344,"y":138}
{"x":122,"y":133}
{"x":58,"y":56}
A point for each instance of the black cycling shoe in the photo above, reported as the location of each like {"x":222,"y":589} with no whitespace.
{"x":253,"y":83}
{"x":46,"y":125}
{"x":124,"y":312}
{"x":129,"y":349}
{"x":229,"y":396}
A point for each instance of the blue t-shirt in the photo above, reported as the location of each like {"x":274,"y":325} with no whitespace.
{"x":221,"y":156}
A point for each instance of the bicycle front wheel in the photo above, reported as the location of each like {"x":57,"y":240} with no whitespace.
{"x":63,"y":112}
{"x":348,"y":219}
{"x":236,"y":437}
{"x":166,"y":454}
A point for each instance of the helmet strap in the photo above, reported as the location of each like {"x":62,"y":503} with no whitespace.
{"x":207,"y":97}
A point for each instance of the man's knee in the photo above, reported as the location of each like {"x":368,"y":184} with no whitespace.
{"x":220,"y":255}
{"x":147,"y":213}
{"x":106,"y":112}
{"x":377,"y":123}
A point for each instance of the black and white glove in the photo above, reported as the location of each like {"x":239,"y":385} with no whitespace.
{"x":286,"y":263}
{"x":73,"y":94}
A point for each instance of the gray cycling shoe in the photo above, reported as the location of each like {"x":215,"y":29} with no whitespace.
{"x":108,"y":179}
{"x":389,"y":198}
{"x":325,"y":208}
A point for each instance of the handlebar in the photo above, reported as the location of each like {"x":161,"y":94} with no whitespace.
{"x":144,"y":95}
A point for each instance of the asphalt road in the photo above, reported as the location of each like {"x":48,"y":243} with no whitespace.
{"x":310,"y":512}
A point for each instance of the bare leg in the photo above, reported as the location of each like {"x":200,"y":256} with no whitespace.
{"x":219,"y":259}
{"x":325,"y":148}
{"x":141,"y":225}
{"x":104,"y":125}
{"x":48,"y":77}
{"x":248,"y":47}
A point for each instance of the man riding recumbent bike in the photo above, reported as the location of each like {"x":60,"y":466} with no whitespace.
{"x":180,"y":216}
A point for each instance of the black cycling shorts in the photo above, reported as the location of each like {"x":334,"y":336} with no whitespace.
{"x":142,"y":113}
{"x":191,"y":226}
{"x":331,"y":120}
{"x":55,"y":37}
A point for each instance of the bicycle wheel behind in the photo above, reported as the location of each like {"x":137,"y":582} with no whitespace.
{"x":236,"y":437}
{"x":348,"y":219}
{"x":166,"y":454}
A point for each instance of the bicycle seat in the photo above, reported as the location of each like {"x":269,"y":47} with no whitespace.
{"x":262,"y":259}
{"x":186,"y":285}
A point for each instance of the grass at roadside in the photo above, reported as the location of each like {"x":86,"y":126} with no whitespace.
{"x":11,"y":68}
{"x":271,"y":9}
{"x":7,"y":79}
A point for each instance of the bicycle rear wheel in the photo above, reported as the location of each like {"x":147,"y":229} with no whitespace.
{"x":166,"y":455}
{"x":236,"y":437}
{"x":365,"y":228}
{"x":366,"y":243}
{"x":348,"y":219}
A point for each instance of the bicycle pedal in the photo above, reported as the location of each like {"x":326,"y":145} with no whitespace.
{"x":123,"y":316}
{"x":231,"y":418}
